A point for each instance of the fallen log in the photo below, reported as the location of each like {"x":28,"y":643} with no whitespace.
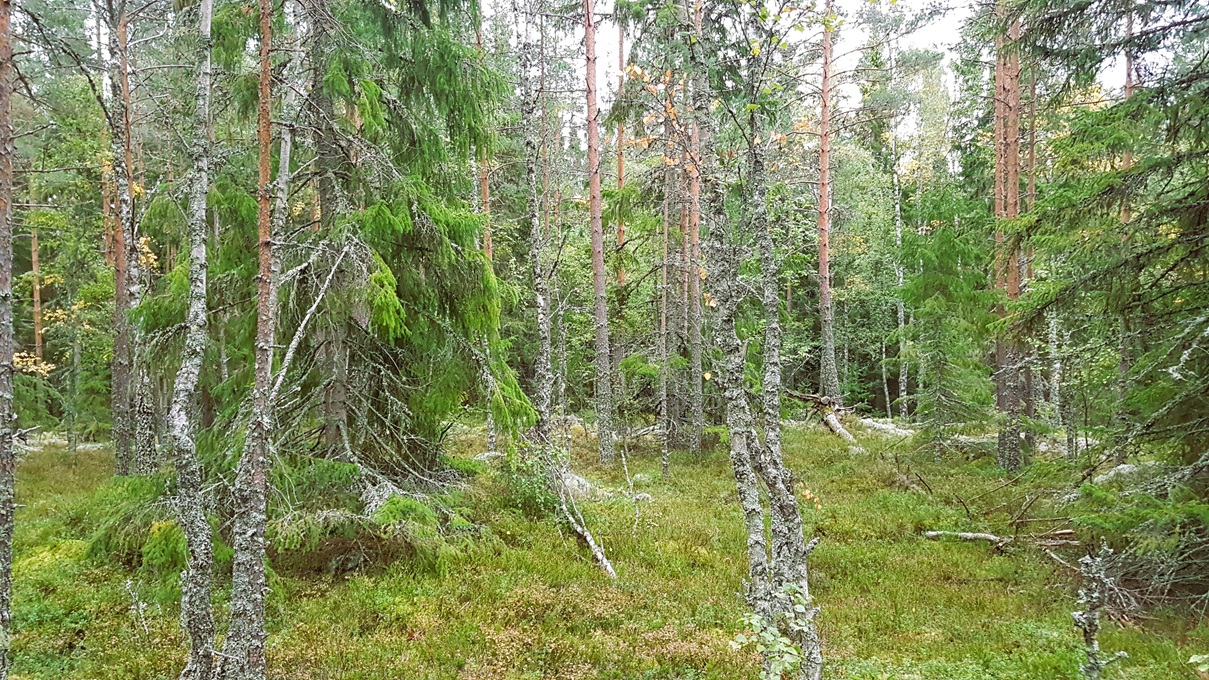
{"x":829,"y":409}
{"x":967,"y":536}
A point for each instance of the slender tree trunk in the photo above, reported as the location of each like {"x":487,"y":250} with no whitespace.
{"x":135,"y":426}
{"x":7,"y":416}
{"x":560,"y":318}
{"x":118,"y":125}
{"x":542,"y":364}
{"x":604,"y":388}
{"x":328,"y":164}
{"x":37,"y":284}
{"x":1124,"y":354}
{"x":1055,"y":371}
{"x":244,"y":647}
{"x":695,"y":270}
{"x":770,"y":288}
{"x":829,"y":376}
{"x":73,"y":432}
{"x":484,"y":199}
{"x":620,"y":153}
{"x":322,"y":111}
{"x":665,"y":424}
{"x":484,"y":177}
{"x":886,"y":385}
{"x":900,"y":305}
{"x":1008,"y":207}
{"x":197,"y":617}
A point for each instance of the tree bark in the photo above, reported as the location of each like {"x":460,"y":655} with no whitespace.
{"x":829,"y":377}
{"x":322,"y":112}
{"x":1007,"y":204}
{"x":899,"y":303}
{"x":8,"y":419}
{"x":776,"y":575}
{"x":604,"y":388}
{"x":136,"y":427}
{"x":620,"y":151}
{"x":669,"y":179}
{"x":243,"y":655}
{"x":543,"y":378}
{"x":197,"y":617}
{"x":37,"y":285}
{"x":118,"y":122}
{"x":695,"y":269}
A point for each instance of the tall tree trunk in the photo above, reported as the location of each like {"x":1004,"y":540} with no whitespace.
{"x":695,"y":271}
{"x":196,"y":614}
{"x":1031,"y":385}
{"x":484,"y":199}
{"x":900,"y":305}
{"x":119,"y":125}
{"x":328,"y":164}
{"x":322,"y":112}
{"x":37,"y":284}
{"x":1124,"y":355}
{"x":543,"y":379}
{"x":770,"y":288}
{"x":484,"y":178}
{"x":7,"y":417}
{"x":488,"y":249}
{"x":620,"y":152}
{"x":604,"y":387}
{"x":1007,"y":203}
{"x":135,"y":420}
{"x":829,"y":377}
{"x":243,"y":655}
{"x":665,"y":420}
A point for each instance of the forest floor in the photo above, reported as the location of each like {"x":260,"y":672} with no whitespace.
{"x":520,"y":597}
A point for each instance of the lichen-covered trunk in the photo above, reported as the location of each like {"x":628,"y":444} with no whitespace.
{"x":136,"y":433}
{"x":744,"y":444}
{"x":197,"y":616}
{"x":243,"y":656}
{"x":118,"y":124}
{"x":829,"y":377}
{"x":543,"y":370}
{"x":770,"y":291}
{"x":600,"y":302}
{"x":7,"y":416}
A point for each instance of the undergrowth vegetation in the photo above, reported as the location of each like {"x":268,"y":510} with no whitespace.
{"x":482,"y":581}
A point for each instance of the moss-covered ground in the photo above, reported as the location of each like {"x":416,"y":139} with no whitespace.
{"x":518,"y":596}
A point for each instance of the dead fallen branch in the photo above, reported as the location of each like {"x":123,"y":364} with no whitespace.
{"x":829,"y":410}
{"x":1049,"y":540}
{"x":998,"y":541}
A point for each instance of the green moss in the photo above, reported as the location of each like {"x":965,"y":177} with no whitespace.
{"x":475,"y":588}
{"x":399,"y":509}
